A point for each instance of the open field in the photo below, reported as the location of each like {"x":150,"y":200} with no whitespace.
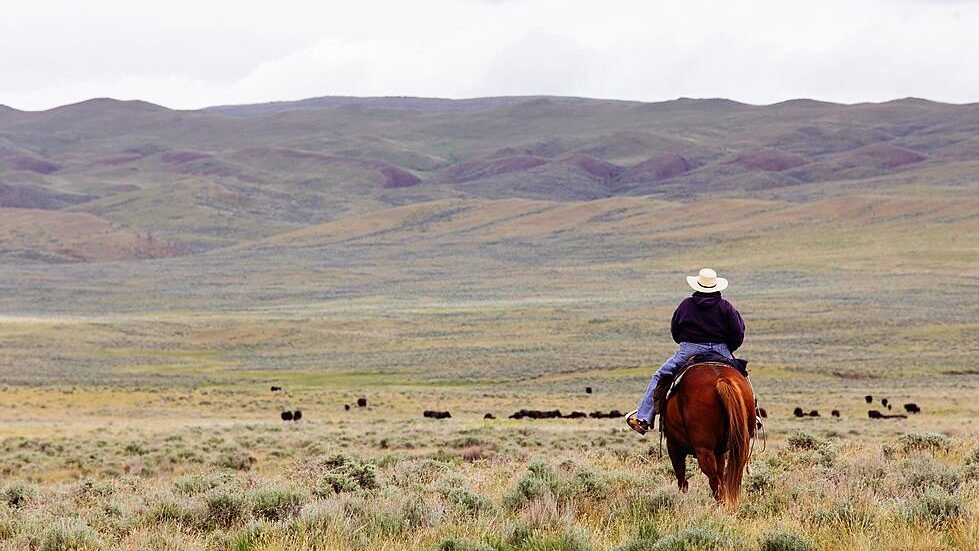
{"x":160,"y":270}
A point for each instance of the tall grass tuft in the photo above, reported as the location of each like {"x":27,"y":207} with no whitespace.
{"x":69,"y":535}
{"x":925,"y":441}
{"x":274,"y":503}
{"x":936,"y":508}
{"x":785,"y":541}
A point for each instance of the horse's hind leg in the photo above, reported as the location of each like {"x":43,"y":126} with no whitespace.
{"x":708,"y":464}
{"x":679,"y":460}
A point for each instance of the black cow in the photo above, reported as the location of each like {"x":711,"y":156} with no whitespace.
{"x":517,"y":415}
{"x":587,"y":390}
{"x":361,"y":402}
{"x":297,"y":415}
{"x":912,"y":408}
{"x":287,"y":416}
{"x":489,"y":416}
{"x":615,"y":414}
{"x":813,"y":413}
{"x":276,"y":389}
{"x":346,"y":407}
{"x":883,"y":402}
{"x":869,"y":398}
{"x":874,"y":414}
{"x":437,"y":414}
{"x":798,"y":412}
{"x":835,"y":413}
{"x":576,"y":415}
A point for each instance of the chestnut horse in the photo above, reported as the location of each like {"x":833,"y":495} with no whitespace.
{"x":711,"y":416}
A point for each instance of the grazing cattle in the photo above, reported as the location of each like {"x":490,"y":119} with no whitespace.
{"x":813,"y":413}
{"x":912,"y":408}
{"x":798,"y":412}
{"x":587,"y":390}
{"x":276,"y":389}
{"x":287,"y":416}
{"x":835,"y":413}
{"x":489,"y":416}
{"x":869,"y":398}
{"x":437,"y":414}
{"x":888,"y":407}
{"x":762,"y":413}
{"x":577,"y":415}
{"x":614,"y":414}
{"x":297,"y":415}
{"x":517,"y":415}
{"x":346,"y":407}
{"x":361,"y":402}
{"x":874,"y":414}
{"x":883,"y":402}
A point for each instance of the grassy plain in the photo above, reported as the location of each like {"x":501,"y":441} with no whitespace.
{"x":145,"y":313}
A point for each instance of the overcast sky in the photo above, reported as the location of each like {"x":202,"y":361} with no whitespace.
{"x":195,"y":53}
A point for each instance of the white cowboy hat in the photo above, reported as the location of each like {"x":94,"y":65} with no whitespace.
{"x":707,"y":282}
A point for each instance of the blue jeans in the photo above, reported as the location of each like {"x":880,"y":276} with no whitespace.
{"x":686,"y":350}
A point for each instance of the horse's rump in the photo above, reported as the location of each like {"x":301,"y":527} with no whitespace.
{"x":711,"y":413}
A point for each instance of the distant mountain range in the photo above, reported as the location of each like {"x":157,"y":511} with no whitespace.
{"x":114,"y":180}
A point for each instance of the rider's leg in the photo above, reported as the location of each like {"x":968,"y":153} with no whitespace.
{"x":645,"y":410}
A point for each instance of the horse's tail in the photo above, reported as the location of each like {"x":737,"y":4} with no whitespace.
{"x":738,"y":439}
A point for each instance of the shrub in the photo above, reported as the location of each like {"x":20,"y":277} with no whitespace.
{"x":418,"y":471}
{"x":238,"y":460}
{"x":925,"y":441}
{"x":195,"y":484}
{"x":785,"y":541}
{"x":394,"y":517}
{"x":973,"y":457}
{"x":69,"y":535}
{"x":843,"y":513}
{"x":8,"y":529}
{"x":759,"y":480}
{"x":167,"y":511}
{"x":276,"y":503}
{"x":645,"y":538}
{"x":648,"y":505}
{"x":17,"y":494}
{"x":698,"y":537}
{"x":936,"y":508}
{"x":224,"y":508}
{"x":801,"y":440}
{"x":346,"y":474}
{"x":453,"y":544}
{"x":528,"y":488}
{"x":136,"y":448}
{"x":467,"y":503}
{"x":543,"y":480}
{"x":573,"y":539}
{"x":588,"y":484}
{"x":928,"y":473}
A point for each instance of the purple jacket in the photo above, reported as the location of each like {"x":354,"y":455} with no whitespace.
{"x":706,"y":317}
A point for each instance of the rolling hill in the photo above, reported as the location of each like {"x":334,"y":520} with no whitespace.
{"x":506,"y":225}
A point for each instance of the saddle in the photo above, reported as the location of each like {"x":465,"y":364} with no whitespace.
{"x":668,"y":384}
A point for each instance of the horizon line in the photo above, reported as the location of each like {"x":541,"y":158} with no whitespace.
{"x":528,"y":97}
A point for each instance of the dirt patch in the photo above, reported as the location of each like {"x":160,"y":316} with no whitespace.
{"x":32,"y":164}
{"x":659,"y":167}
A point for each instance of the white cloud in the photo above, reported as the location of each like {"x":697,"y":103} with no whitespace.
{"x":194,"y":53}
